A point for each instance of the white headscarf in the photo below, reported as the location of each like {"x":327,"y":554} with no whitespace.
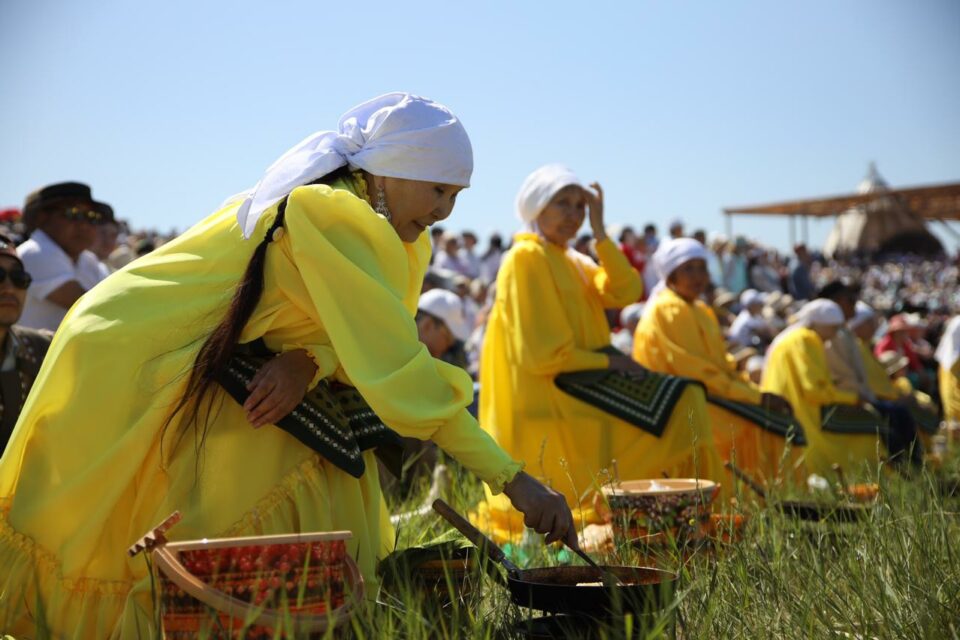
{"x":862,"y":313}
{"x":670,"y":255}
{"x":397,"y":135}
{"x":948,"y":351}
{"x":819,"y":311}
{"x":751,"y":297}
{"x":539,"y":188}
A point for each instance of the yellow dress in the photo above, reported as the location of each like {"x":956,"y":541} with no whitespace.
{"x":684,"y":339}
{"x":83,"y":476}
{"x":949,"y":382}
{"x":877,"y":378}
{"x":548,"y":319}
{"x":796,"y":369}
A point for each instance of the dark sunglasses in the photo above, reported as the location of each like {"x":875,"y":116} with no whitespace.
{"x":18,"y":277}
{"x":83,"y":214}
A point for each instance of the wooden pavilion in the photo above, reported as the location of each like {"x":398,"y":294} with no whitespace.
{"x":875,"y":219}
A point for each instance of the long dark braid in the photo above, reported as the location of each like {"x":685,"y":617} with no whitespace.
{"x":197,"y":400}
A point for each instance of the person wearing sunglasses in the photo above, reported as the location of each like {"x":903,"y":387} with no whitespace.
{"x":65,"y":218}
{"x":21,"y":349}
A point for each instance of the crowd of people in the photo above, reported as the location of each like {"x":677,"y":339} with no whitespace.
{"x":318,"y":302}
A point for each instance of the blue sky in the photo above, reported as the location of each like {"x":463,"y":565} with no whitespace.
{"x":677,"y":108}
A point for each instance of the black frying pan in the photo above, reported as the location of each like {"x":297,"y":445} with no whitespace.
{"x":573,"y":589}
{"x":805,"y":510}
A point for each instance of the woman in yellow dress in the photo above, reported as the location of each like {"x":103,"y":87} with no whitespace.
{"x":797,"y":369}
{"x":547,"y":319}
{"x":126,"y":424}
{"x":948,"y":371}
{"x":679,"y":335}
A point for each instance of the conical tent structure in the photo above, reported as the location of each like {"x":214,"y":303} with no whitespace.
{"x":882,"y":225}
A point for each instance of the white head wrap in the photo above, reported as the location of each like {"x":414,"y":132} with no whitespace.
{"x":671,"y":254}
{"x":819,"y":311}
{"x":862,"y":313}
{"x":751,"y":297}
{"x":948,"y":351}
{"x":540,"y":187}
{"x":397,"y":135}
{"x":754,"y":363}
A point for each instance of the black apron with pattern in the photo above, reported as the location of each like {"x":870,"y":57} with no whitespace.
{"x":333,"y":419}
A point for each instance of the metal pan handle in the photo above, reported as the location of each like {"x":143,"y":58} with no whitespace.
{"x":474,"y":535}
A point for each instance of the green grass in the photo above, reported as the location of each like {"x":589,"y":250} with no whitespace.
{"x":896,"y":574}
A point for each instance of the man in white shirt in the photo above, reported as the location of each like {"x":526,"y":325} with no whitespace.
{"x":57,"y":254}
{"x":448,"y":258}
{"x":750,"y":323}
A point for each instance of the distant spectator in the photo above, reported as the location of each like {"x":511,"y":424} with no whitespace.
{"x":629,"y":319}
{"x":436,"y":235}
{"x":763,"y":276}
{"x":800,"y":284}
{"x":583,"y":245}
{"x":58,"y":254}
{"x":735,"y":267}
{"x":471,"y":261}
{"x":750,"y":328}
{"x":22,"y":349}
{"x":448,"y":257}
{"x":442,"y":326}
{"x":145,"y":246}
{"x":633,"y":248}
{"x":676,"y":228}
{"x":106,"y":244}
{"x":650,"y":239}
{"x":897,"y":339}
{"x":490,"y":260}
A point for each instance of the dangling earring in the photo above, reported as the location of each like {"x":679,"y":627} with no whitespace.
{"x":381,"y":206}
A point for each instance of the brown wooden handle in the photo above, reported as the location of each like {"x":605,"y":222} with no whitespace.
{"x":474,"y":535}
{"x":168,"y":562}
{"x":740,"y":474}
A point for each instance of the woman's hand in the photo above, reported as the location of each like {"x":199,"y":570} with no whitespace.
{"x":544,"y":510}
{"x":278,"y":387}
{"x":595,"y":202}
{"x":626,"y":364}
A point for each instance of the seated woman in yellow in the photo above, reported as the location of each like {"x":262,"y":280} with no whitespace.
{"x":797,"y":370}
{"x":679,"y":335}
{"x":948,"y":372}
{"x":864,"y":325}
{"x":547,"y":319}
{"x":127,"y":424}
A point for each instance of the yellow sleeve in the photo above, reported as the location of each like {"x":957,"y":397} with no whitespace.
{"x":356,"y":273}
{"x":615,"y":279}
{"x":663,"y":343}
{"x":814,"y":375}
{"x":541,"y":337}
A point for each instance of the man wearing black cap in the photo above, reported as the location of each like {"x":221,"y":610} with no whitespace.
{"x":65,"y":217}
{"x":21,"y":350}
{"x":849,"y":373}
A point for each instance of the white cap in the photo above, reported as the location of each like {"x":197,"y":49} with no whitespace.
{"x":751,"y":297}
{"x":446,"y":306}
{"x":754,"y":363}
